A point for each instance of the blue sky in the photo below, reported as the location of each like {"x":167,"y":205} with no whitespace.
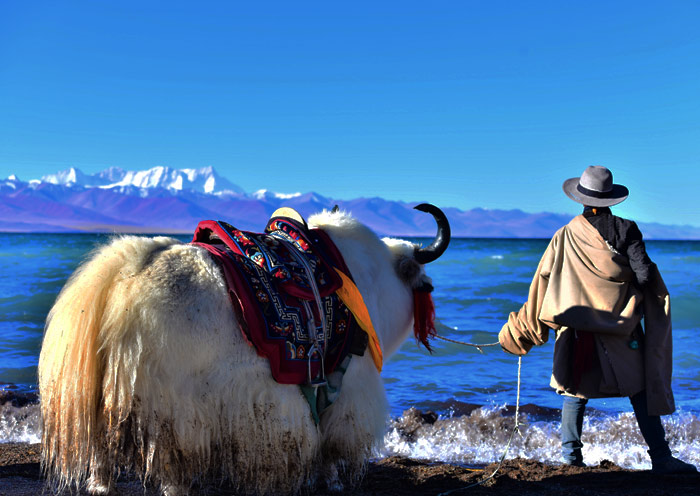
{"x":466,"y":104}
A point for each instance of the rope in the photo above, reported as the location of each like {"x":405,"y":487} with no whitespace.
{"x":516,"y":428}
{"x":477,"y":346}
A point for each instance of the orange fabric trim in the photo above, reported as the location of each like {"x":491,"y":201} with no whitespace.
{"x":352,"y":298}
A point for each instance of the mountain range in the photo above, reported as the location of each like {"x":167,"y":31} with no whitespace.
{"x":166,"y":200}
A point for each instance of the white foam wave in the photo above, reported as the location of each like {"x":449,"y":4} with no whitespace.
{"x":478,"y":438}
{"x":482,"y":436}
{"x":20,"y":424}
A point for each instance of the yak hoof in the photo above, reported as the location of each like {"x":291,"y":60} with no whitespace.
{"x":173,"y":490}
{"x":97,"y":487}
{"x":332,"y":479}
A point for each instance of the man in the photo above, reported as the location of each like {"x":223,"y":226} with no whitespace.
{"x":593,"y":285}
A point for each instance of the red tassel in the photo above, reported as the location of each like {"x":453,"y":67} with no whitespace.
{"x":423,"y":317}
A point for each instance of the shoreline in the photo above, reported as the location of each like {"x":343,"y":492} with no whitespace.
{"x":20,"y":475}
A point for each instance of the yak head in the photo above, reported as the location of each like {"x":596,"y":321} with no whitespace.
{"x":390,"y":274}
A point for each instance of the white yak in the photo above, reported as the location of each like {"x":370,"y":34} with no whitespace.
{"x":143,"y":366}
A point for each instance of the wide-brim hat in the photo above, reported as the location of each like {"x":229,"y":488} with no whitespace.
{"x":595,"y":188}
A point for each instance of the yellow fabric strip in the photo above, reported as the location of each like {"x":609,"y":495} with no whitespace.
{"x":353,"y":300}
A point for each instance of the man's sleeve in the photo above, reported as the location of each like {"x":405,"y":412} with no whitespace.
{"x":523,"y":330}
{"x":637,"y":254}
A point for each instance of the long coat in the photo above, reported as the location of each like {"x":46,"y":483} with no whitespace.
{"x":581,"y":284}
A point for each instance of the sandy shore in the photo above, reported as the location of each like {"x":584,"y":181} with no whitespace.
{"x":20,"y":476}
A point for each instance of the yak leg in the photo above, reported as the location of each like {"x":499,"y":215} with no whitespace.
{"x":353,"y":424}
{"x":99,"y":482}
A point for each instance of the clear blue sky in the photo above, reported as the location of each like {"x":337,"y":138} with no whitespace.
{"x":466,"y":103}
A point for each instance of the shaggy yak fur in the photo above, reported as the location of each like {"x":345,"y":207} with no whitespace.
{"x":143,"y":367}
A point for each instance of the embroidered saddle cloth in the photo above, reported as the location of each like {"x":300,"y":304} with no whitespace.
{"x":268,"y":277}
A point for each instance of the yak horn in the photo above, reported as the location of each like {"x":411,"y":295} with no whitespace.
{"x":442,"y":238}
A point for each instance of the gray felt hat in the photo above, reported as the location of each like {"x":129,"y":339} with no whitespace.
{"x":595,"y":188}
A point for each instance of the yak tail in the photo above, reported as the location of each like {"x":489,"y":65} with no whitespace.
{"x":71,"y":364}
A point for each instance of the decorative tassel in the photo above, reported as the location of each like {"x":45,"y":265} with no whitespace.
{"x":423,"y":317}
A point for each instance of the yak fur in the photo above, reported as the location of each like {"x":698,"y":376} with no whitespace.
{"x":143,"y":367}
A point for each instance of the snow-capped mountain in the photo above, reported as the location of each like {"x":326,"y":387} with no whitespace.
{"x":204,"y":180}
{"x":162,"y":199}
{"x":264,"y":194}
{"x":68,"y":177}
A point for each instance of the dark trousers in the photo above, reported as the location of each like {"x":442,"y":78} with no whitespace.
{"x":572,"y":423}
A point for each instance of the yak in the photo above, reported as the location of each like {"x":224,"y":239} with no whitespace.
{"x":144,"y":367}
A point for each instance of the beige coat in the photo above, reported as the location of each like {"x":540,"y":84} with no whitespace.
{"x":582,"y":284}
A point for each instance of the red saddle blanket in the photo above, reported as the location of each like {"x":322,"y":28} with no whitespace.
{"x":273,"y":297}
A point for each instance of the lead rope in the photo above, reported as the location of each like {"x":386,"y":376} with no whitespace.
{"x":477,"y":346}
{"x":516,"y":428}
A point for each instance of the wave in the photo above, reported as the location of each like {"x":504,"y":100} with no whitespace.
{"x":481,"y":437}
{"x":469,"y":435}
{"x":20,"y":417}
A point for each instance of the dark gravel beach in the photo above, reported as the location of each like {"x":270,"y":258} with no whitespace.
{"x":20,"y":476}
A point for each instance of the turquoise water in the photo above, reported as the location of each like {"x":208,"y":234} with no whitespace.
{"x":33,"y":268}
{"x":477,"y":281}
